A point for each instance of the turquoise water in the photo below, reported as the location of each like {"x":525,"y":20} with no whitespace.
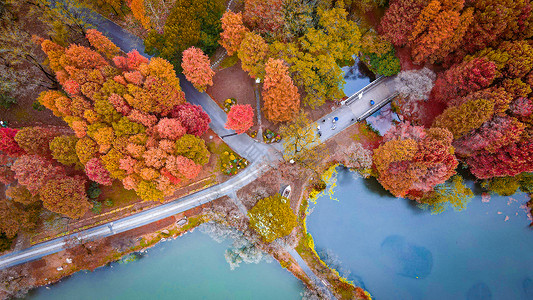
{"x":189,"y":267}
{"x":398,"y":251}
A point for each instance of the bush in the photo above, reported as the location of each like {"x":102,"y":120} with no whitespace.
{"x":37,"y":106}
{"x":94,"y":190}
{"x":97,"y":207}
{"x":6,"y":101}
{"x":108,"y":202}
{"x":5,"y":242}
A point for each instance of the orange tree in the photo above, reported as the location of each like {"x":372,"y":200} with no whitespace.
{"x":411,"y":160}
{"x":120,"y":114}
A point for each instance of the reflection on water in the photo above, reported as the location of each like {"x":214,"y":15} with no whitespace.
{"x":483,"y":252}
{"x":189,"y":267}
{"x":404,"y":258}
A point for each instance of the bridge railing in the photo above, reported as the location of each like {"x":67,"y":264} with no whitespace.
{"x":355,"y":96}
{"x":377,"y":107}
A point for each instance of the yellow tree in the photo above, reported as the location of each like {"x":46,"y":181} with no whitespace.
{"x":252,"y":53}
{"x":272,"y":218}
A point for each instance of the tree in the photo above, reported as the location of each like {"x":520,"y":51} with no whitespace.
{"x":510,"y":160}
{"x":461,"y":79}
{"x":233,"y":31}
{"x":96,"y":171}
{"x":20,"y":194}
{"x":8,"y":145}
{"x":35,"y":140}
{"x":170,"y":129}
{"x":102,"y":43}
{"x":148,"y":191}
{"x":503,"y":186}
{"x":461,"y":119}
{"x":34,"y":172}
{"x":490,"y":136}
{"x":63,"y":149}
{"x":452,"y":192}
{"x":411,"y":161}
{"x":181,"y":166}
{"x":280,"y":95}
{"x":193,"y":148}
{"x":265,"y":17}
{"x":298,"y":136}
{"x":196,"y":68}
{"x":190,"y":23}
{"x":240,"y":118}
{"x":192,"y":117}
{"x":252,"y":53}
{"x":15,"y":217}
{"x":139,"y":12}
{"x":400,"y":20}
{"x":66,"y":196}
{"x":272,"y":218}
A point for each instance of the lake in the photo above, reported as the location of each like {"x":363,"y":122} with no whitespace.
{"x":190,"y":267}
{"x":398,"y":251}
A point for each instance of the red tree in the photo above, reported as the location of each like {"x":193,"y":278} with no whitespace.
{"x":192,"y":117}
{"x":8,"y":144}
{"x":196,"y":68}
{"x":400,"y":19}
{"x":96,"y":172}
{"x":240,"y":118}
{"x":411,"y":160}
{"x":170,"y":129}
{"x":492,"y":135}
{"x":464,"y":78}
{"x":33,"y":172}
{"x":510,"y":160}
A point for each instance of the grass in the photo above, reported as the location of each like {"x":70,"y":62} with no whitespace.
{"x":229,"y":162}
{"x":118,"y":194}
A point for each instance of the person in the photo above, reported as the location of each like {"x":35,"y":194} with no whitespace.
{"x":372,"y":102}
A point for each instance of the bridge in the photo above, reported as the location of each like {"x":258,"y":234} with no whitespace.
{"x":358,"y":106}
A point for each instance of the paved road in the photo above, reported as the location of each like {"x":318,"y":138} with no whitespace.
{"x":146,"y":217}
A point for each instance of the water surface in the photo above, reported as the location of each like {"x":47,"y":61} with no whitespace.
{"x":191,"y":267}
{"x":398,"y":251}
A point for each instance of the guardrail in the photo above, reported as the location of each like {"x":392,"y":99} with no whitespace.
{"x":377,"y":107}
{"x":361,"y":91}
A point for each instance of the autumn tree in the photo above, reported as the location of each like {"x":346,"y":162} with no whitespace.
{"x":66,"y":196}
{"x":461,"y":79}
{"x":34,"y":172}
{"x":233,"y":31}
{"x":15,"y":217}
{"x":265,"y":17}
{"x":139,"y":12}
{"x":96,"y":171}
{"x":192,"y":117}
{"x":280,"y":95}
{"x":193,"y":148}
{"x":35,"y":140}
{"x":8,"y":145}
{"x":272,"y":218}
{"x":411,"y":161}
{"x":63,"y":149}
{"x":400,"y":20}
{"x":20,"y":194}
{"x":252,"y":53}
{"x":510,"y":160}
{"x":240,"y":118}
{"x":462,"y":118}
{"x":196,"y":68}
{"x":102,"y":44}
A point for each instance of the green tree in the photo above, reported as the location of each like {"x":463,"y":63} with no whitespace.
{"x":272,"y":218}
{"x":190,"y":23}
{"x":193,"y":148}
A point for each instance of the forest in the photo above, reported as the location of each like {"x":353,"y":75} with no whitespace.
{"x":463,"y":70}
